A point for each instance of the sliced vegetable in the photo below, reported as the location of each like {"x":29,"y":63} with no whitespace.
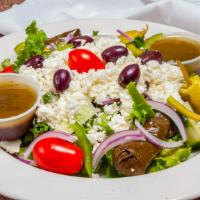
{"x":58,"y":155}
{"x":63,"y":46}
{"x":113,"y":141}
{"x":26,"y":161}
{"x":19,"y":48}
{"x":86,"y":147}
{"x":165,"y":109}
{"x":149,"y":41}
{"x":6,"y":62}
{"x":193,"y":132}
{"x":156,"y":141}
{"x":136,"y":51}
{"x":135,"y":41}
{"x":174,"y":117}
{"x":128,"y":39}
{"x":131,"y":34}
{"x":51,"y":134}
{"x":190,"y":92}
{"x":141,"y":110}
{"x":139,"y":42}
{"x":110,"y":101}
{"x":182,"y":109}
{"x":184,"y":73}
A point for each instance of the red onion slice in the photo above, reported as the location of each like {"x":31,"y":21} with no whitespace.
{"x":26,"y":161}
{"x":49,"y":134}
{"x":174,"y":117}
{"x":110,"y":101}
{"x":125,"y":35}
{"x":156,"y":141}
{"x":164,"y":108}
{"x":113,"y":141}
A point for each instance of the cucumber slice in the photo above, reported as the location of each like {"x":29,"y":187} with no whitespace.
{"x":193,"y":132}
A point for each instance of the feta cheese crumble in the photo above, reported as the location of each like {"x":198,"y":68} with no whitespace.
{"x":97,"y":86}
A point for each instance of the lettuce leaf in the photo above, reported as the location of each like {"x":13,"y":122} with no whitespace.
{"x":169,"y":158}
{"x":37,"y":129}
{"x":106,"y":167}
{"x":140,"y":110}
{"x":34,"y":45}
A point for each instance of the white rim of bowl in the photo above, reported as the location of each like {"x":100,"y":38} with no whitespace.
{"x":34,"y":106}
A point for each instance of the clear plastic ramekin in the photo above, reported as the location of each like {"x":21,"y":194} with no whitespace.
{"x":14,"y":127}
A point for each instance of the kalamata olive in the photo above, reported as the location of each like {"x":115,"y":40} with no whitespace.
{"x":128,"y":74}
{"x":61,"y":80}
{"x":111,"y":54}
{"x":76,"y":41}
{"x":151,"y":55}
{"x":35,"y":62}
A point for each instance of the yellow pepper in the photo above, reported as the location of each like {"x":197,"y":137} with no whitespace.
{"x":191,"y":93}
{"x":19,"y":48}
{"x":133,"y":34}
{"x":182,"y":109}
{"x":136,"y":51}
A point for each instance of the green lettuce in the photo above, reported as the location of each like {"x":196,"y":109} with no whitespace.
{"x":37,"y":129}
{"x":86,"y":146}
{"x":140,"y":110}
{"x":169,"y":158}
{"x":34,"y":45}
{"x":104,"y":124}
{"x":106,"y":166}
{"x":47,"y":97}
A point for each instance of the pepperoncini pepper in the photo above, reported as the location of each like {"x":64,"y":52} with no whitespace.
{"x":191,"y":93}
{"x":135,"y":40}
{"x":190,"y":90}
{"x":133,"y":34}
{"x":182,"y":109}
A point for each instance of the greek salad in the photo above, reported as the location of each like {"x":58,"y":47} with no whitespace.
{"x":110,"y":107}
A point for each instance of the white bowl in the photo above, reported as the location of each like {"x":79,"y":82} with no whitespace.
{"x":22,"y":181}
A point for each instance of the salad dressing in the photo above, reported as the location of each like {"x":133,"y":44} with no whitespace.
{"x":177,"y":48}
{"x":15,"y":98}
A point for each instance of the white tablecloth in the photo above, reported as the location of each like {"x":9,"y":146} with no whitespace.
{"x":178,"y":13}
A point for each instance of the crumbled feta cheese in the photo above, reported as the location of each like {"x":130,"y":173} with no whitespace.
{"x":118,"y":123}
{"x":97,"y":86}
{"x":11,"y":146}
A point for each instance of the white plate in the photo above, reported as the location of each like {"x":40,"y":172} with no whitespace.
{"x":21,"y":181}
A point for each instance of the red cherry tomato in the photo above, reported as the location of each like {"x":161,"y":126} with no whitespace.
{"x":57,"y":155}
{"x":83,"y":60}
{"x":8,"y":69}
